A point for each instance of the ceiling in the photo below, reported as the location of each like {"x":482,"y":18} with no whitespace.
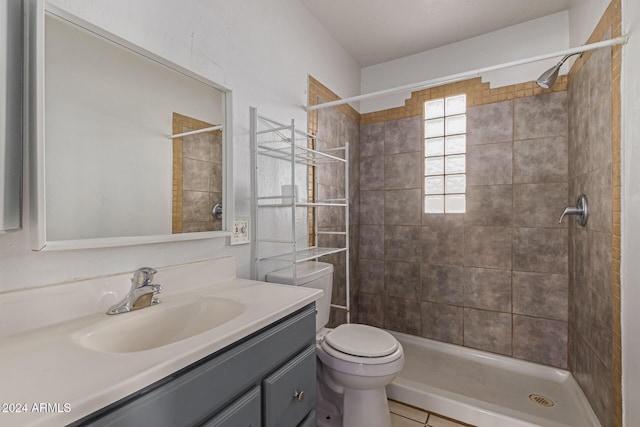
{"x":375,"y":31}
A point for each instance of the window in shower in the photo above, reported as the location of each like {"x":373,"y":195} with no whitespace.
{"x":445,"y":145}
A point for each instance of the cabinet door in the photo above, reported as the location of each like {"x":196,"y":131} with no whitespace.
{"x":244,"y":412}
{"x":290,"y":392}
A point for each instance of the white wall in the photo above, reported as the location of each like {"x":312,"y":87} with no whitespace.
{"x":536,"y":37}
{"x":630,"y":274}
{"x":261,"y":50}
{"x":584,"y":15}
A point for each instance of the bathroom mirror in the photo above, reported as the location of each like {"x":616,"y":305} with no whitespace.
{"x":11,"y":60}
{"x":130,"y":148}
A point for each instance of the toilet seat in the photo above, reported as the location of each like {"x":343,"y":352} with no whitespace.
{"x":361,"y":344}
{"x":361,"y":340}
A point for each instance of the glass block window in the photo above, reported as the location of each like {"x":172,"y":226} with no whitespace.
{"x":445,"y":145}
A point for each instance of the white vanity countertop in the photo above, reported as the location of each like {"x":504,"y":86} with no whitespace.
{"x":47,"y":365}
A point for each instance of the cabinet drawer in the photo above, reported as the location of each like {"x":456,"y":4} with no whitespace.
{"x":243,"y":412}
{"x":310,"y":421}
{"x":200,"y":390}
{"x":281,"y":407}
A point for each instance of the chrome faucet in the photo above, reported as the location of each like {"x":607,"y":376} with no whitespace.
{"x":142,"y":292}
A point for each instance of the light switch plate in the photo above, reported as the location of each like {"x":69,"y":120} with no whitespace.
{"x":240,"y":233}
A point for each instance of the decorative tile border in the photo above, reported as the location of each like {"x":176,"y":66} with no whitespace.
{"x":478,"y":93}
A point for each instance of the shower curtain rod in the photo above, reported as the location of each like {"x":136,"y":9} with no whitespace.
{"x":195,"y":132}
{"x":468,"y":74}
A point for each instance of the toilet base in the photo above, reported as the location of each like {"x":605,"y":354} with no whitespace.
{"x":366,"y":408}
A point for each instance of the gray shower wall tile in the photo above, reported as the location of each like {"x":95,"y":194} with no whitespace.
{"x":490,"y":164}
{"x":600,"y":263}
{"x":402,"y":171}
{"x":600,"y":337}
{"x":442,"y":322}
{"x":581,"y":305}
{"x":491,"y":123}
{"x":488,"y":331}
{"x":600,"y":151}
{"x":372,"y":139}
{"x":540,"y":340}
{"x":372,"y":242}
{"x":540,"y":160}
{"x":402,"y":243}
{"x":372,"y":173}
{"x":443,"y":245}
{"x":593,"y":377}
{"x":540,"y":205}
{"x":339,"y":292}
{"x":489,"y":205}
{"x":443,"y":220}
{"x":443,"y":284}
{"x":540,"y":116}
{"x":488,"y":247}
{"x":331,"y":174}
{"x":196,"y":175}
{"x":487,"y":289}
{"x":598,"y":70}
{"x":600,"y":206}
{"x":328,"y":127}
{"x":371,"y":276}
{"x":402,"y":279}
{"x":403,"y":135}
{"x":215,"y":177}
{"x":371,"y":309}
{"x":579,"y":111}
{"x":199,"y":146}
{"x":196,"y":206}
{"x":402,"y":315}
{"x":403,"y":207}
{"x":582,"y":259}
{"x":541,"y":295}
{"x":372,"y":207}
{"x":540,"y":250}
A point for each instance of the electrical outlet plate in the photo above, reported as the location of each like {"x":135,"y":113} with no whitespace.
{"x":240,"y":233}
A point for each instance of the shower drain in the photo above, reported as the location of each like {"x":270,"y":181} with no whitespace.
{"x":541,"y":400}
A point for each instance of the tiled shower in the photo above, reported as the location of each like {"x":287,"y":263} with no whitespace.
{"x":506,"y":276}
{"x":494,"y":278}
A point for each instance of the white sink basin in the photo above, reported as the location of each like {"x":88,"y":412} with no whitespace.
{"x":159,"y":325}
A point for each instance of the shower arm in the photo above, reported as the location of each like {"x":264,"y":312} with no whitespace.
{"x":569,"y":56}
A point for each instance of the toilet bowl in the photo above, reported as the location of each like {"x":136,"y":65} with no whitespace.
{"x":355,"y":362}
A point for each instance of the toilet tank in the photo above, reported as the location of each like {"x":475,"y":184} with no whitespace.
{"x":310,"y":274}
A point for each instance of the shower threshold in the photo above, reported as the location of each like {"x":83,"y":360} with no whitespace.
{"x":486,"y":389}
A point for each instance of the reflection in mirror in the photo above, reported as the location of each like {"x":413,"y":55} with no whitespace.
{"x":10,"y":115}
{"x":117,"y":164}
{"x":197,"y":175}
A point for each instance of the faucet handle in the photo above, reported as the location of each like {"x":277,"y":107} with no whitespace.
{"x":143,"y":276}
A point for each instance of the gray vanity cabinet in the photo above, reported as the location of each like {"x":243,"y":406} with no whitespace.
{"x":266,"y":379}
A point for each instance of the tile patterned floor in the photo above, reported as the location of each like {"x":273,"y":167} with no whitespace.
{"x":408,"y":416}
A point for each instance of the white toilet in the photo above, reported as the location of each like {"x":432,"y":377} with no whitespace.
{"x":355,"y":362}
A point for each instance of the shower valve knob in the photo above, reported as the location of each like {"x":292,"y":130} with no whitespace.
{"x":581,"y":211}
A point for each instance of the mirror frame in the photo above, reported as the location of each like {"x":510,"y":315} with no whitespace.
{"x":36,"y":136}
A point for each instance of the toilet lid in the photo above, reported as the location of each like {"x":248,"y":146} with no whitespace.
{"x":361,"y":340}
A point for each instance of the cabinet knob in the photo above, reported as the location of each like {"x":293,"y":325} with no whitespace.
{"x":298,"y":395}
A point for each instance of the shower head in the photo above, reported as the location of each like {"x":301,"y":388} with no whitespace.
{"x":548,"y":78}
